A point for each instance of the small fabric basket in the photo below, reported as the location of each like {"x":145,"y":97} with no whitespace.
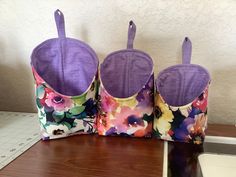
{"x":65,"y":71}
{"x":126,"y":92}
{"x":181,"y":100}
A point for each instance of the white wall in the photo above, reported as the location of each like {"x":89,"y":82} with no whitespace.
{"x":161,"y":27}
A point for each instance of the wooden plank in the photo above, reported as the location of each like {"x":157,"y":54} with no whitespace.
{"x":90,"y":156}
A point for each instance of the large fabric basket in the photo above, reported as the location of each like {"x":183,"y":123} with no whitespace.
{"x":126,"y":92}
{"x":65,"y":71}
{"x":181,"y":100}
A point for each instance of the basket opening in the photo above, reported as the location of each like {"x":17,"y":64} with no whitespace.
{"x":179,"y":85}
{"x":125,"y":72}
{"x":67,"y":65}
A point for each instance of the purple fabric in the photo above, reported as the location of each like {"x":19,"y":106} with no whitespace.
{"x":125,"y":72}
{"x":131,"y":35}
{"x":181,"y":84}
{"x":67,"y":65}
{"x":186,"y":51}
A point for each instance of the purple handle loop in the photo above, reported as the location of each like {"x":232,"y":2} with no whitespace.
{"x":131,"y":34}
{"x":59,"y":19}
{"x":186,"y":51}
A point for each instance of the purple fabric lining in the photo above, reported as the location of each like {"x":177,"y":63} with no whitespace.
{"x":180,"y":84}
{"x":125,"y":72}
{"x":67,"y":65}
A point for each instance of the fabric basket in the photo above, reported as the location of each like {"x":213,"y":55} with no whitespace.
{"x":65,"y":71}
{"x":181,"y":100}
{"x":126,"y":92}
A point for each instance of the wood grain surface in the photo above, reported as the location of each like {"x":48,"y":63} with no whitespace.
{"x":221,"y":130}
{"x":93,"y":156}
{"x":89,"y":156}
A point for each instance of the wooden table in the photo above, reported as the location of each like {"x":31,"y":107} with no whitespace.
{"x":92,"y":156}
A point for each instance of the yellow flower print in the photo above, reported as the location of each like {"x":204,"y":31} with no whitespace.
{"x":166,"y":113}
{"x":78,"y":101}
{"x":163,"y":116}
{"x":162,"y":125}
{"x":131,"y":102}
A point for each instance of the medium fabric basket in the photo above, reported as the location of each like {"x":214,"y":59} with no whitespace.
{"x":126,"y":92}
{"x":181,"y":100}
{"x":65,"y":71}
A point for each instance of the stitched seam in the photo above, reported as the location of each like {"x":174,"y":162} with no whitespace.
{"x":62,"y":65}
{"x":128,"y":75}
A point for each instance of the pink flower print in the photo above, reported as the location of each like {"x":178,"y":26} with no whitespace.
{"x":38,"y":79}
{"x":103,"y":123}
{"x":108,"y":103}
{"x":145,"y":99}
{"x":58,"y":102}
{"x":47,"y":92}
{"x":201,"y":101}
{"x":127,"y":119}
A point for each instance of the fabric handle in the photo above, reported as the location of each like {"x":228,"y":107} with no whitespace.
{"x":186,"y":51}
{"x":131,"y":34}
{"x":59,"y":19}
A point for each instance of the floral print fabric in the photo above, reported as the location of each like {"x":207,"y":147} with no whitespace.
{"x":186,"y":123}
{"x":61,"y":115}
{"x":132,"y":116}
